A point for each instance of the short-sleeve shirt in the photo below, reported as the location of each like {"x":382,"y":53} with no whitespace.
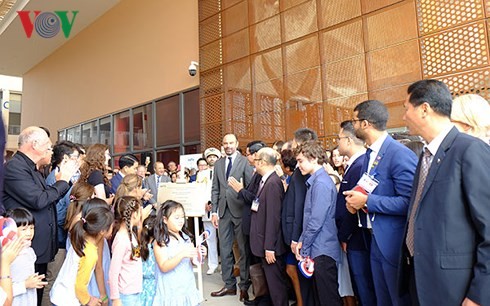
{"x":97,"y":177}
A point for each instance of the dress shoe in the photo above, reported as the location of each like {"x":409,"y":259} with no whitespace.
{"x":224,"y":291}
{"x":236,"y":272}
{"x":243,"y":295}
{"x":251,"y":302}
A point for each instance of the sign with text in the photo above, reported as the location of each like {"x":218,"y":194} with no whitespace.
{"x":193,"y":196}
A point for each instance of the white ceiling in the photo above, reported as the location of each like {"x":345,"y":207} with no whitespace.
{"x":19,"y":54}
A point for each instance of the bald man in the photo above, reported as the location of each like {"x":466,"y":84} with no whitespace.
{"x":25,"y":187}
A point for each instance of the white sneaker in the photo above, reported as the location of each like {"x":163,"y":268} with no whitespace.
{"x":211,"y":271}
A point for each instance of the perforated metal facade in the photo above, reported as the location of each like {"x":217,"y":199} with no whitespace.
{"x":271,"y":66}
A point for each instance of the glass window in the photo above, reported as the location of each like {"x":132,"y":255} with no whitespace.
{"x":89,"y":133}
{"x":14,"y":113}
{"x":146,"y":159}
{"x":121,"y":132}
{"x":192,"y":149}
{"x":192,"y":121}
{"x":62,"y":135}
{"x":142,"y":127}
{"x":105,"y":131}
{"x":168,"y":121}
{"x":73,"y":134}
{"x":167,"y":155}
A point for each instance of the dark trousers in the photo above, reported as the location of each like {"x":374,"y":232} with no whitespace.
{"x":40,"y":269}
{"x":325,"y":282}
{"x":306,"y":287}
{"x":411,"y":283}
{"x":276,"y":281}
{"x":360,"y":266}
{"x":229,"y":229}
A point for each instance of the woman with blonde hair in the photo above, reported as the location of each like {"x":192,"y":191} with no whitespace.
{"x":94,"y":170}
{"x":471,"y":115}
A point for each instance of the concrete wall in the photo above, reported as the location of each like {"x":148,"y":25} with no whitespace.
{"x":137,"y":51}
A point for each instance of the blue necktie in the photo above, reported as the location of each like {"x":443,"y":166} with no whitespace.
{"x":366,"y":161}
{"x":228,"y":169}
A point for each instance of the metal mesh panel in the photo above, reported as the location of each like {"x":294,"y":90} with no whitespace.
{"x":207,"y":8}
{"x":228,"y":3}
{"x":395,"y":65}
{"x":345,"y":78}
{"x":211,"y":82}
{"x":302,"y":55}
{"x":211,"y":56}
{"x":299,"y":114}
{"x":287,"y":4}
{"x":476,"y":82}
{"x":304,"y":86}
{"x":260,"y":10}
{"x":211,"y":109}
{"x":235,"y":18}
{"x":335,"y":12}
{"x":341,"y":42}
{"x":338,"y":110}
{"x":455,"y":50}
{"x":371,"y":6}
{"x":265,"y":34}
{"x":267,"y":66}
{"x":300,"y":21}
{"x":210,"y":30}
{"x":212,"y":135}
{"x":236,"y":46}
{"x":438,"y":15}
{"x":400,"y":22}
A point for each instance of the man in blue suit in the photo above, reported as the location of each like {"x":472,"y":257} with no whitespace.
{"x":390,"y":168}
{"x":446,"y":254}
{"x":128,"y":164}
{"x":353,"y":233}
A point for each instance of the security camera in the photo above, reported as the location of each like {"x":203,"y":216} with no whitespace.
{"x":193,"y":68}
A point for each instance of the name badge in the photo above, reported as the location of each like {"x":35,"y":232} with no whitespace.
{"x":255,"y":205}
{"x":368,"y":183}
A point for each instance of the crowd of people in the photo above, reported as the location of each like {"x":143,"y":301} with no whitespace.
{"x":372,"y":221}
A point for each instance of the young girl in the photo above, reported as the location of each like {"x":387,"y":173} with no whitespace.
{"x":24,"y":280}
{"x":71,"y":285}
{"x":148,"y":256}
{"x":126,"y":270}
{"x":173,"y":253}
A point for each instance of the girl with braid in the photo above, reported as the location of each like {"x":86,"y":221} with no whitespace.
{"x":126,"y":270}
{"x":71,"y":286}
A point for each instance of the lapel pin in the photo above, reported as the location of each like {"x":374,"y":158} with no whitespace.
{"x":438,"y":160}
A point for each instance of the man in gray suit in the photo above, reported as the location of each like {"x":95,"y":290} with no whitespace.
{"x":229,"y":207}
{"x":154,"y":180}
{"x":446,"y":250}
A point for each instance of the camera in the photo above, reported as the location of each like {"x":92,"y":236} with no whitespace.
{"x":193,"y":68}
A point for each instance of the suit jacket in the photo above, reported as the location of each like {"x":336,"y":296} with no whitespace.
{"x":347,"y":223}
{"x":248,"y":195}
{"x":151,"y":183}
{"x":292,"y":207}
{"x":115,"y":182}
{"x":388,"y":203}
{"x":224,"y":197}
{"x":25,"y":187}
{"x":452,"y":224}
{"x":265,"y":226}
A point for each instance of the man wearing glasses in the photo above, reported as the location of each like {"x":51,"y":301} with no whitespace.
{"x":384,"y":192}
{"x":25,"y":187}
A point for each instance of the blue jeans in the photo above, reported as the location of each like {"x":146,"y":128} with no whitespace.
{"x":130,"y":299}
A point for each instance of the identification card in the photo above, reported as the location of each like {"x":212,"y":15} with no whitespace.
{"x":368,"y":183}
{"x":255,"y":205}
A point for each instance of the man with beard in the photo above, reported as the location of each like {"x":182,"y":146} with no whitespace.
{"x":386,"y":180}
{"x":225,"y":200}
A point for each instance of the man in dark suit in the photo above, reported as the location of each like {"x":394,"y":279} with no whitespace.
{"x":225,"y":201}
{"x":389,"y":167}
{"x":25,"y":187}
{"x":292,"y":219}
{"x":446,"y":250}
{"x":128,"y":164}
{"x":353,"y":233}
{"x":153,"y":181}
{"x":265,"y":228}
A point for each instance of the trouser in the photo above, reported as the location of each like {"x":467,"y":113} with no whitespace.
{"x":212,"y":243}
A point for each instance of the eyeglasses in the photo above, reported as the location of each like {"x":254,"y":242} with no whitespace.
{"x":354,"y":120}
{"x":257,"y":159}
{"x":340,"y":137}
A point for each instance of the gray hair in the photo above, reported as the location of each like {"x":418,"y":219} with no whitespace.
{"x":268,"y":155}
{"x":31,"y":134}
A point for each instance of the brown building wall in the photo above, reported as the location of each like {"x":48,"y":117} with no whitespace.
{"x":271,"y":66}
{"x":136,"y":52}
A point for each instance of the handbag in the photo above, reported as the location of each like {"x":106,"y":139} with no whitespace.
{"x":259,"y":282}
